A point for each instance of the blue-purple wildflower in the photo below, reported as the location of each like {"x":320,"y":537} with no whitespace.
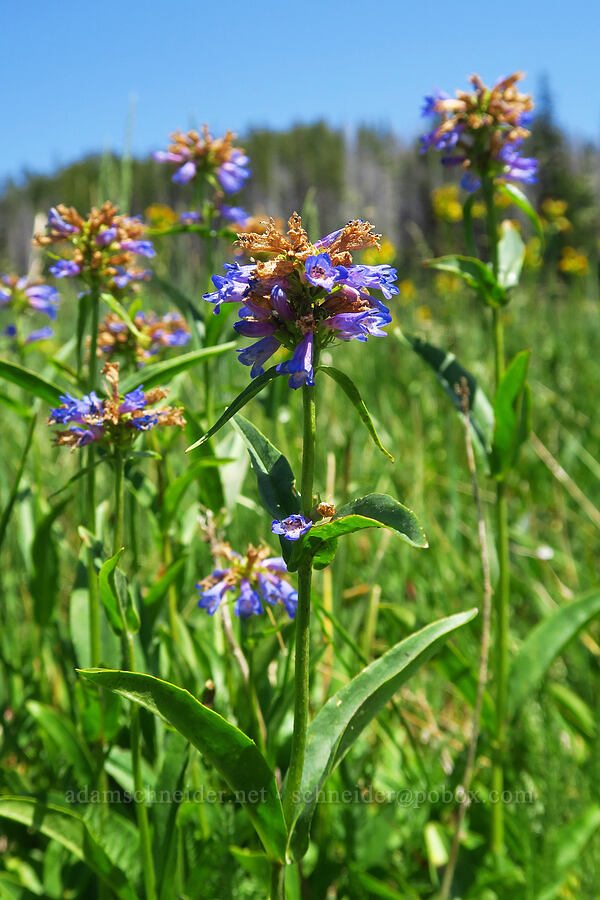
{"x":21,"y":298}
{"x":306,"y":297}
{"x":255,"y":580}
{"x":291,"y":528}
{"x":103,"y":246}
{"x":482,"y":131}
{"x":197,"y":154}
{"x":114,"y":420}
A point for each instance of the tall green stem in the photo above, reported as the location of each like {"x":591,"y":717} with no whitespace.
{"x":136,"y":746}
{"x":93,"y":598}
{"x":302,"y":667}
{"x":502,"y":599}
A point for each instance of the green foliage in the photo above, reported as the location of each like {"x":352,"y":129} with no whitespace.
{"x":276,"y":482}
{"x":512,"y":416}
{"x":476,"y":274}
{"x":451,"y":375}
{"x":351,"y":391}
{"x":544,"y":643}
{"x":340,"y":722}
{"x":71,"y":831}
{"x":227,"y":748}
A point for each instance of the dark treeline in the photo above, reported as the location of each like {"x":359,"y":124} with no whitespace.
{"x":371,"y":173}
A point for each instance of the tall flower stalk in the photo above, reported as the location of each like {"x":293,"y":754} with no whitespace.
{"x":114,"y":422}
{"x":101,"y":251}
{"x":302,"y":666}
{"x":481,"y":132}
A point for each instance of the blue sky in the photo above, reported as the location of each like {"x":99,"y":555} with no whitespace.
{"x":69,"y":70}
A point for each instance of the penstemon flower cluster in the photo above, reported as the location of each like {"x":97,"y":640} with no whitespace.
{"x":198,"y":154}
{"x":256,"y":577}
{"x":21,"y":296}
{"x":155,"y":335}
{"x":104,"y":246}
{"x":307,"y":296}
{"x":115,"y":420}
{"x":482,"y":131}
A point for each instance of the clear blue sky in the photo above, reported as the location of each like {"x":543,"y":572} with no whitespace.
{"x":69,"y":69}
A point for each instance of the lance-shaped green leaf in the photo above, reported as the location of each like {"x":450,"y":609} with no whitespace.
{"x":254,"y":388}
{"x":351,"y":391}
{"x":372,"y":511}
{"x":166,"y":832}
{"x":71,"y":832}
{"x":116,"y":596}
{"x":339,"y":723}
{"x":119,"y":310}
{"x":511,"y":253}
{"x":544,"y":643}
{"x":30,"y":382}
{"x":521,"y":201}
{"x":228,"y":749}
{"x":64,"y":735}
{"x":570,"y":842}
{"x":44,"y":553}
{"x":12,"y":499}
{"x":450,"y":375}
{"x":276,"y":481}
{"x":574,"y":709}
{"x":177,"y":488}
{"x":161,"y":373}
{"x":475,"y":273}
{"x":512,"y":415}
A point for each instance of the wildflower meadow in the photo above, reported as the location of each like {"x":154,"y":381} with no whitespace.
{"x":299,"y":516}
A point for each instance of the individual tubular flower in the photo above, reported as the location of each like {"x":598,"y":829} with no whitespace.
{"x":155,"y":335}
{"x":291,"y":528}
{"x":255,"y":579}
{"x":197,"y":154}
{"x":306,"y":296}
{"x":115,"y":420}
{"x":482,"y":131}
{"x":104,"y":246}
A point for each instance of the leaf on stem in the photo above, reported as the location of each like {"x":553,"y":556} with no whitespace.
{"x":254,"y":388}
{"x":228,"y":749}
{"x":352,"y":392}
{"x":371,"y":511}
{"x":339,"y":723}
{"x":450,"y":374}
{"x":512,"y":415}
{"x":276,"y":481}
{"x":475,"y":273}
{"x":161,"y":373}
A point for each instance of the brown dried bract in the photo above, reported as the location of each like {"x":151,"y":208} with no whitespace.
{"x":295,"y":246}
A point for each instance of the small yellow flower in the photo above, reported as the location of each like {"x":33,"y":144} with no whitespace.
{"x":160,"y":216}
{"x":386,"y":255}
{"x":445,"y":283}
{"x":423,"y":313}
{"x":407,"y":290}
{"x":533,"y":254}
{"x":446,"y":205}
{"x":554,"y":209}
{"x":502,"y":200}
{"x":573,"y":262}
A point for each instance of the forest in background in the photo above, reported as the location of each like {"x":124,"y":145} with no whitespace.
{"x":336,"y":173}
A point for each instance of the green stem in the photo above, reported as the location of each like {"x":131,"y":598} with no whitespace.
{"x":136,"y":747}
{"x":209,"y":262}
{"x":302,"y":668}
{"x":294,"y":775}
{"x":93,"y":598}
{"x":502,"y":599}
